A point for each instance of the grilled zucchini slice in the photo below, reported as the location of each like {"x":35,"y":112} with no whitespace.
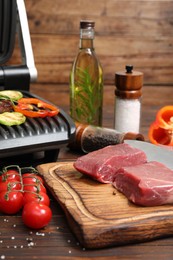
{"x":12,"y":118}
{"x":13,"y":95}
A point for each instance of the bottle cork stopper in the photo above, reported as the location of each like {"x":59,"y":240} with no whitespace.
{"x":128,"y":83}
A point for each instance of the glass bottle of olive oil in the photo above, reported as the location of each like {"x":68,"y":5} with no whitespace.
{"x":86,"y":80}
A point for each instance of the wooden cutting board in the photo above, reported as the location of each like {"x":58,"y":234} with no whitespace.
{"x":98,"y":214}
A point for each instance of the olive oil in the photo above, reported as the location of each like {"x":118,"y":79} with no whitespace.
{"x":86,"y":80}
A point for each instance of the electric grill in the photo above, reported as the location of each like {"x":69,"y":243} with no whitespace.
{"x":37,"y":137}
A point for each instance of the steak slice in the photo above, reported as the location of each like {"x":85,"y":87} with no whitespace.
{"x":6,"y":106}
{"x":103,"y":164}
{"x":149,"y":184}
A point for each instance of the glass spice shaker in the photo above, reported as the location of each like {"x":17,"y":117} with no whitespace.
{"x":86,"y":80}
{"x":89,"y":138}
{"x":128,"y":94}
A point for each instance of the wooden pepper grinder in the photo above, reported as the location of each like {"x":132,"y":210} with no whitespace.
{"x":128,"y":94}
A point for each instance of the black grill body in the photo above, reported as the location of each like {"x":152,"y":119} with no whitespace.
{"x":38,"y":138}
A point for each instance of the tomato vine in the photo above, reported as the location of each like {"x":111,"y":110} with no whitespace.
{"x":20,"y":187}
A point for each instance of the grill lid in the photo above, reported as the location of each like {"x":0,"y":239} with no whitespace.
{"x":8,"y":15}
{"x":13,"y":20}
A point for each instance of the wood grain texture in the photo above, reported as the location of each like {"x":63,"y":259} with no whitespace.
{"x":136,"y":32}
{"x":98,"y":214}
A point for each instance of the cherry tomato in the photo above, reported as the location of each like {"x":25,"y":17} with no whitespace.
{"x":41,"y":197}
{"x":10,"y":175}
{"x":9,"y":185}
{"x":11,"y":203}
{"x":30,"y":187}
{"x":4,"y":186}
{"x":31,"y":178}
{"x":36,"y":215}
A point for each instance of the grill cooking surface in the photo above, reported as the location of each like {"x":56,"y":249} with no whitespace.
{"x":32,"y":127}
{"x":36,"y":134}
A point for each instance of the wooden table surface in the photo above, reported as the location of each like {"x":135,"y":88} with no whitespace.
{"x":56,"y":241}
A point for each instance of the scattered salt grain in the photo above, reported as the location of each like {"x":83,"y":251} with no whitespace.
{"x":2,"y":256}
{"x":40,"y":234}
{"x":29,"y":239}
{"x":1,"y":241}
{"x":12,"y":238}
{"x":15,"y":246}
{"x":69,"y":241}
{"x":69,"y":251}
{"x":14,"y":225}
{"x":31,"y":244}
{"x":83,"y":249}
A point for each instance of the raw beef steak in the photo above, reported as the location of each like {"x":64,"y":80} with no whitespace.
{"x":103,"y":164}
{"x":149,"y":184}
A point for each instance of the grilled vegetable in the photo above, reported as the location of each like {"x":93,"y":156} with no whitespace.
{"x":12,"y":118}
{"x":161,"y":130}
{"x":13,"y":95}
{"x":33,"y":107}
{"x":20,"y":108}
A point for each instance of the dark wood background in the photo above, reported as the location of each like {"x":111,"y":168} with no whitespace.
{"x":138,"y":32}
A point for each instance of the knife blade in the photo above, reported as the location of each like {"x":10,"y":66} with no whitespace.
{"x":154,"y":152}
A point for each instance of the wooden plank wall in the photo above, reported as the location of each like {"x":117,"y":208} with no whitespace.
{"x":138,"y":32}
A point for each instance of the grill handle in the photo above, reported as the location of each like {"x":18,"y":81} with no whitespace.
{"x":14,"y":77}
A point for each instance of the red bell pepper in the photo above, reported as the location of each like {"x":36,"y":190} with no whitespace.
{"x":33,"y":107}
{"x":161,"y":131}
